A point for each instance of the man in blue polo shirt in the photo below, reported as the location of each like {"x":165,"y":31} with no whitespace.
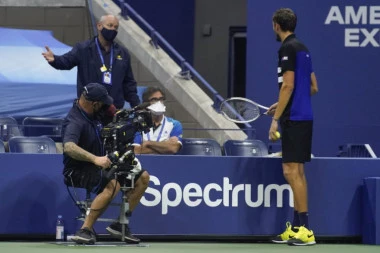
{"x":85,"y":161}
{"x":166,"y":135}
{"x":101,"y":60}
{"x":293,"y":111}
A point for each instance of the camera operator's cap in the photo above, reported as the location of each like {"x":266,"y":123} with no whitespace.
{"x":96,"y":92}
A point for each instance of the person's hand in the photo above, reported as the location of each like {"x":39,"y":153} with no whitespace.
{"x":48,"y":55}
{"x":102,"y":161}
{"x":272,"y":109}
{"x":272,"y":131}
{"x":173,"y":139}
{"x":145,"y":144}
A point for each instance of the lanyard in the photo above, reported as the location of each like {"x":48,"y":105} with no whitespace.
{"x":159,"y":135}
{"x":101,"y":55}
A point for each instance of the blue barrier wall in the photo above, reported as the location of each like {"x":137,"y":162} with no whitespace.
{"x":191,"y":195}
{"x":344,"y":39}
{"x":173,"y":19}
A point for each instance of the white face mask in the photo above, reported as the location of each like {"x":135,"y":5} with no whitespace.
{"x":157,"y":108}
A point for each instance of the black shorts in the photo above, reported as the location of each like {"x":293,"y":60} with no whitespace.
{"x":92,"y":179}
{"x":296,"y":141}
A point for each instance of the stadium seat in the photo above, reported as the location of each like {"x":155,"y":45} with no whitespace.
{"x":32,"y":145}
{"x":245,"y":148}
{"x":2,"y":147}
{"x":140,"y":91}
{"x":200,"y":146}
{"x":356,"y":150}
{"x":8,"y":128}
{"x":42,"y":126}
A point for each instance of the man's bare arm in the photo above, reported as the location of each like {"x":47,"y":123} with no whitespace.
{"x":78,"y":153}
{"x":314,"y":84}
{"x":285,"y":93}
{"x":143,"y":149}
{"x":170,"y":146}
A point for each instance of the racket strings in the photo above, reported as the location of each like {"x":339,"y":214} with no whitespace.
{"x":240,"y":110}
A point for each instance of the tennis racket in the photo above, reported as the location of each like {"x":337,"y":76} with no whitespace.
{"x":242,"y":110}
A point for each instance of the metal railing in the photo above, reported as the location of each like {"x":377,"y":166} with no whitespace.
{"x":186,"y":69}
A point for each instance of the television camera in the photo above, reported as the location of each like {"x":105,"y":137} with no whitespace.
{"x":119,"y":134}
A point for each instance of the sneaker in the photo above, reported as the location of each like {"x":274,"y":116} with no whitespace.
{"x":94,"y":235}
{"x":115,"y":230}
{"x":287,"y":235}
{"x":84,"y":236}
{"x":303,"y":237}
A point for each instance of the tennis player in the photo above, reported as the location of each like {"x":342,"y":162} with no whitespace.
{"x":293,"y":111}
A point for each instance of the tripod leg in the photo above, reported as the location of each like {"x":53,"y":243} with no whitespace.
{"x":123,"y":219}
{"x":124,"y":209}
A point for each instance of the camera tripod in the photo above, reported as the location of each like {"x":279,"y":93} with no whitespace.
{"x":85,"y":205}
{"x":124,"y":206}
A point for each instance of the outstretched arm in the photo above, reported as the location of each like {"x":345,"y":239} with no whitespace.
{"x":63,"y":62}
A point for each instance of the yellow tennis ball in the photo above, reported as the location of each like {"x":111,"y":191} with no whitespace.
{"x":278,"y":135}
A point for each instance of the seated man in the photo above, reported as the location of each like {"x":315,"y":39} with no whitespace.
{"x":166,"y":135}
{"x":85,"y":161}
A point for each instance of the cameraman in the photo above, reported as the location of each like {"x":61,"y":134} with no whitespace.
{"x":166,"y":135}
{"x":85,"y":161}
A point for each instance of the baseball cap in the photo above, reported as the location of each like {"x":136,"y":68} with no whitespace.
{"x":96,"y":92}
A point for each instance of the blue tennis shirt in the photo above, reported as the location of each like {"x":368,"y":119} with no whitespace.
{"x":294,"y":56}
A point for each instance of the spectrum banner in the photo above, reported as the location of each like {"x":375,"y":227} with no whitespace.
{"x":190,"y":195}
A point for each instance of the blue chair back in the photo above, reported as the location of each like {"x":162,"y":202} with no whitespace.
{"x":140,"y":91}
{"x":43,"y":126}
{"x":200,"y":146}
{"x":8,"y":128}
{"x":356,"y":150}
{"x":32,"y":145}
{"x":245,"y":148}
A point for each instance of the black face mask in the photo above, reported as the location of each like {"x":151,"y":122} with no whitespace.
{"x":108,"y":35}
